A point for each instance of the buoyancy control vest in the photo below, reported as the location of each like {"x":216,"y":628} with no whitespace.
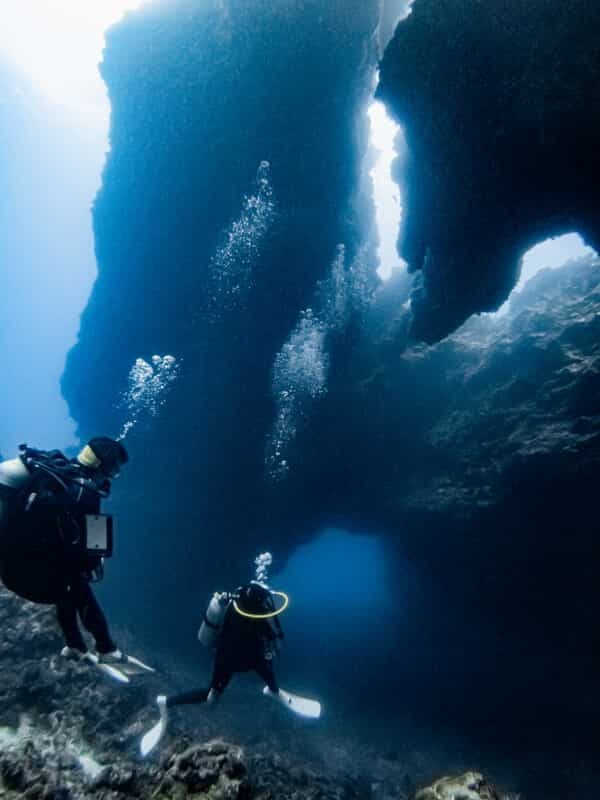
{"x":45,"y":503}
{"x":243,"y":627}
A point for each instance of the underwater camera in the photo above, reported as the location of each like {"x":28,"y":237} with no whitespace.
{"x":98,"y":535}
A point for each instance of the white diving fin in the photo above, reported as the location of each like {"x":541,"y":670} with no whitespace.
{"x":113,"y":672}
{"x":119,"y":670}
{"x":133,"y":666}
{"x":311,"y":709}
{"x":152,"y":738}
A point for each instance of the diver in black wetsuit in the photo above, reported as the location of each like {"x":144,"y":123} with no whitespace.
{"x":46,"y":501}
{"x":245,"y":629}
{"x":244,"y":644}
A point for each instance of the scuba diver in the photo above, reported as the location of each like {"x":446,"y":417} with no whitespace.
{"x":53,"y":541}
{"x":244,"y":628}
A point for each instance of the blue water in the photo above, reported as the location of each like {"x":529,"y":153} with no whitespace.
{"x":239,"y":340}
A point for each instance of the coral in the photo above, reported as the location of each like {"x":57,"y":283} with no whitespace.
{"x":469,"y":786}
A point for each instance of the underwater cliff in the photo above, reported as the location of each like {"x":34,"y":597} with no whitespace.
{"x":226,"y":193}
{"x":234,"y":229}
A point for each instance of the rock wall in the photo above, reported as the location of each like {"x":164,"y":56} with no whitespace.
{"x":501,"y":109}
{"x":202,"y":257}
{"x":478,"y":457}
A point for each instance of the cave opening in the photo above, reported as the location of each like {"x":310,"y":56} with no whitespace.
{"x":59,"y":44}
{"x":353,"y":597}
{"x":551,"y":253}
{"x":384,"y":136}
{"x":341,"y":571}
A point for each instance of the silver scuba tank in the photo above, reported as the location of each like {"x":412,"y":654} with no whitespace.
{"x":13,"y":475}
{"x":213,"y":619}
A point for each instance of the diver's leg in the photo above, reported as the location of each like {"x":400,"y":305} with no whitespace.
{"x":92,"y":615}
{"x":265,"y":670}
{"x":222,"y":674}
{"x":221,"y":677}
{"x":164,"y":703}
{"x":66,"y":614}
{"x":186,"y":698}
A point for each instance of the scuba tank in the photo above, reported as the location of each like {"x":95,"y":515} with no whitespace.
{"x":214,"y":617}
{"x":13,"y":476}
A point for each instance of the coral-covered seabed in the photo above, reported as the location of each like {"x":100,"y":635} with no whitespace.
{"x":66,"y":731}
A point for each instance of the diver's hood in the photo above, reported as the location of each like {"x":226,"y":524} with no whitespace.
{"x":255,"y":599}
{"x":105,"y":455}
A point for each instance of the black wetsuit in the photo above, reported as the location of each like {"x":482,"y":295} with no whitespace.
{"x":79,"y":601}
{"x":39,"y":557}
{"x":244,"y":645}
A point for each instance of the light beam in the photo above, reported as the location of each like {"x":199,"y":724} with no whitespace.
{"x":58,"y":44}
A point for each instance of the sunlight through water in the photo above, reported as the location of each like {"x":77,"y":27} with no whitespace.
{"x":386,"y":195}
{"x":549,"y":254}
{"x":58,"y":44}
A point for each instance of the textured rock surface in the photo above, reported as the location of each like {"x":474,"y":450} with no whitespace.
{"x":201,"y":95}
{"x":68,"y":732}
{"x":450,"y":429}
{"x":501,"y":109}
{"x":523,"y":393}
{"x":470,"y":786}
{"x":481,"y":456}
{"x":194,"y":260}
{"x":58,"y":716}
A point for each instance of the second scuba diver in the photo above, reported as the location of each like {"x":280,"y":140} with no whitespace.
{"x":53,"y":540}
{"x":244,"y":628}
